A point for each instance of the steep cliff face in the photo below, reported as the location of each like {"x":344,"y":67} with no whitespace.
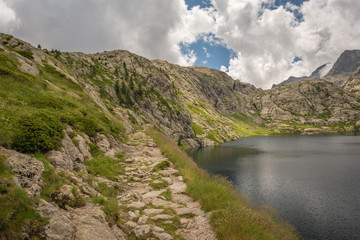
{"x":309,"y":102}
{"x":344,"y":66}
{"x":352,"y":85}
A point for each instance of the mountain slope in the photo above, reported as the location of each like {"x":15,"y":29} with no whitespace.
{"x":193,"y":105}
{"x":314,"y":75}
{"x":344,"y":66}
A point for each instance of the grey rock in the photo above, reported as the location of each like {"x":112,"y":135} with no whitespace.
{"x":83,"y":147}
{"x":161,"y":217}
{"x":143,"y":219}
{"x":137,"y":205}
{"x":185,"y":211}
{"x":130,"y":224}
{"x":152,"y":211}
{"x":163,"y":236}
{"x":142,"y":230}
{"x":68,"y":158}
{"x":27,"y":171}
{"x":59,"y":226}
{"x":178,"y":187}
{"x":91,"y":224}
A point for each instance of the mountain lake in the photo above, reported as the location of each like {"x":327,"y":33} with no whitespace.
{"x":313,"y":182}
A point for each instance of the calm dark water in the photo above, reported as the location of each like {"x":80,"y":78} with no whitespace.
{"x":313,"y":182}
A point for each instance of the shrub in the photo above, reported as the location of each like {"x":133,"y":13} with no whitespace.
{"x":27,"y":54}
{"x":37,"y":134}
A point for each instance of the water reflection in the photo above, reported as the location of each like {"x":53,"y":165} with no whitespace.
{"x":312,"y":181}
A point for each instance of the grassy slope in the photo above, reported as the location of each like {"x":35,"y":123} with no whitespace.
{"x":23,"y":95}
{"x":232,"y":217}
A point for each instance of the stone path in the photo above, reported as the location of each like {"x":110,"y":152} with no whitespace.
{"x":156,"y":200}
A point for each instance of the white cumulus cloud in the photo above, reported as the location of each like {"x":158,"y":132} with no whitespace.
{"x":267,"y":41}
{"x":8,"y":19}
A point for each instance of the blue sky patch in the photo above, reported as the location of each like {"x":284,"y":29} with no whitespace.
{"x":201,"y":3}
{"x":211,"y":54}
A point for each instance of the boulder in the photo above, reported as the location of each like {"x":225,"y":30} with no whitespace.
{"x":27,"y":171}
{"x":91,"y":224}
{"x":59,"y":226}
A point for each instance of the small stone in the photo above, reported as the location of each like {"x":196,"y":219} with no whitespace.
{"x":134,"y":214}
{"x":163,"y":236}
{"x":142,"y":230}
{"x":152,"y":194}
{"x":159,"y":202}
{"x":168,"y":172}
{"x":161,"y":217}
{"x":152,"y":211}
{"x":129,"y":169}
{"x":130,"y":224}
{"x":143,"y":219}
{"x":185,"y":211}
{"x":168,"y":180}
{"x":184,"y":221}
{"x":181,"y":178}
{"x":137,"y":205}
{"x":178,"y":187}
{"x":158,"y":229}
{"x":181,"y":198}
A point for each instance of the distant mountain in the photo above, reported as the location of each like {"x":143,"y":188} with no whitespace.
{"x":353,"y":83}
{"x":314,"y":75}
{"x":344,"y":67}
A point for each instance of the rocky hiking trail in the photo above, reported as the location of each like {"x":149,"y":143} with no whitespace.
{"x":152,"y":199}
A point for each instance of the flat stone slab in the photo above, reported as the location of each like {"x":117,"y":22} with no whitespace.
{"x":178,"y":187}
{"x":161,"y":217}
{"x":185,"y":211}
{"x":163,"y":236}
{"x":152,"y":211}
{"x":137,"y":205}
{"x":160,"y":202}
{"x":168,"y":172}
{"x":152,"y":194}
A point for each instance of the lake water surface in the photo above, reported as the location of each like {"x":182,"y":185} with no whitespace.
{"x":313,"y":182}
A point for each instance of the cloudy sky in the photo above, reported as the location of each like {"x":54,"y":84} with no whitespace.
{"x":257,"y":41}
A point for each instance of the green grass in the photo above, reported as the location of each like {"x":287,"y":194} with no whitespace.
{"x":16,"y":208}
{"x":197,"y":129}
{"x":103,"y":166}
{"x":161,"y":166}
{"x":233,"y":217}
{"x":23,"y":96}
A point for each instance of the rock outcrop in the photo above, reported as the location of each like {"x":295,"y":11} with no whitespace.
{"x":27,"y":171}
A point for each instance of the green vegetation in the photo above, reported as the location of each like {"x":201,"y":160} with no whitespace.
{"x":38,"y":134}
{"x":161,"y":166}
{"x":197,"y":129}
{"x":233,"y":218}
{"x":103,"y":166}
{"x":27,"y":54}
{"x":17,"y":209}
{"x":35,"y":110}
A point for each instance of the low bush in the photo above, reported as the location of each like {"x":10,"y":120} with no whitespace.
{"x":39,"y":133}
{"x":27,"y":54}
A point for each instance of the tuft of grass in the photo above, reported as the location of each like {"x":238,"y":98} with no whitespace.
{"x":233,"y":217}
{"x":161,"y":166}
